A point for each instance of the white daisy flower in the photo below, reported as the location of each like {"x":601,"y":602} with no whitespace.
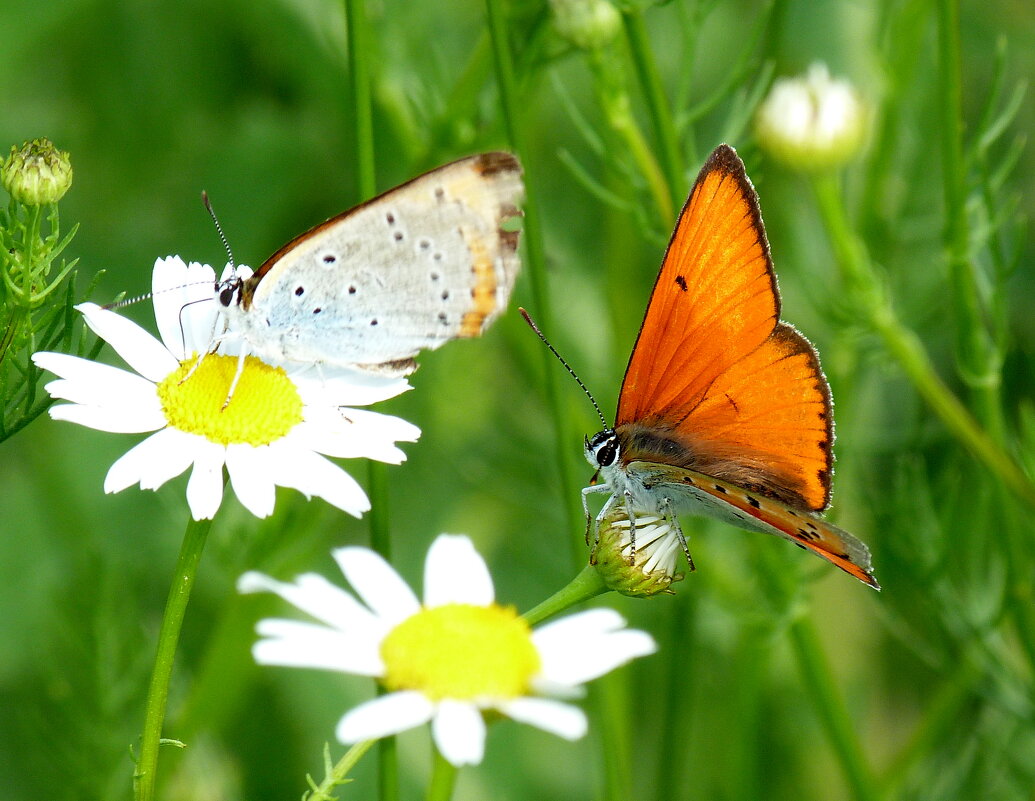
{"x":272,"y":433}
{"x":812,"y":122}
{"x":447,"y":660}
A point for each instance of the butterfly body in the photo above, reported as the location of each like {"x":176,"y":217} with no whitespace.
{"x":422,"y":264}
{"x":724,"y":409}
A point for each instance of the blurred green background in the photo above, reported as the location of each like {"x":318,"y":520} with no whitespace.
{"x":250,"y":101}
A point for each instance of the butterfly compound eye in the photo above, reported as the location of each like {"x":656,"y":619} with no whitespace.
{"x":606,"y":451}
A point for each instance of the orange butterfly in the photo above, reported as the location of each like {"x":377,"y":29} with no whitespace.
{"x":724,"y":410}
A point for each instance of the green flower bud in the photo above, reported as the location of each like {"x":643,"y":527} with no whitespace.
{"x":37,"y":174}
{"x":813,"y":122}
{"x":587,"y":24}
{"x":652,"y":568}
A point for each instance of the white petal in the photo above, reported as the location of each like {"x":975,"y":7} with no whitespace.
{"x":137,"y":347}
{"x":459,"y":732}
{"x":312,"y":474}
{"x":185,"y":304}
{"x":388,"y":714}
{"x":292,"y":643}
{"x":316,"y":596}
{"x":377,"y":584}
{"x":110,"y":388}
{"x":585,"y":646}
{"x":205,"y":485}
{"x":115,"y":421}
{"x":563,"y":720}
{"x":320,"y":432}
{"x":455,"y":573}
{"x":251,"y":478}
{"x":343,"y":386}
{"x":160,"y":457}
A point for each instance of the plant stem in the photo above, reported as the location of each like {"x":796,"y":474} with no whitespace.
{"x":339,"y":773}
{"x":587,"y":584}
{"x":904,"y":345}
{"x":536,"y":269}
{"x":168,"y":638}
{"x":443,"y":778}
{"x":359,"y":56}
{"x":657,"y":103}
{"x":840,"y":730}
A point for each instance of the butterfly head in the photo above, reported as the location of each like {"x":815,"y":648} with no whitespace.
{"x":602,"y":449}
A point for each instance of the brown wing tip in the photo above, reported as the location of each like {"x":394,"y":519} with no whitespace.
{"x":497,"y":161}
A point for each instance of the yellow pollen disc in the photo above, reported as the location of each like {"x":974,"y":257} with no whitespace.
{"x":265,"y":405}
{"x":462,"y":652}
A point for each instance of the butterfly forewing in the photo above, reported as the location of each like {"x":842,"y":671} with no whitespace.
{"x":424,"y":263}
{"x":734,"y":393}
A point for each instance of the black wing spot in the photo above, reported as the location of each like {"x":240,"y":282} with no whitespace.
{"x":374,"y":321}
{"x":424,"y":244}
{"x":390,"y":218}
{"x":688,"y":480}
{"x":352,"y":290}
{"x":435,"y":276}
{"x":299,"y":291}
{"x":437,"y":257}
{"x":440,"y":193}
{"x":317,"y":310}
{"x":753,"y":501}
{"x":682,"y":282}
{"x":329,"y":259}
{"x":719,"y":488}
{"x":445,"y":294}
{"x":442,"y":318}
{"x":398,"y":236}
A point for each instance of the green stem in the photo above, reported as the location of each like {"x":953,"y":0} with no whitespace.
{"x":536,"y":268}
{"x":977,"y":358}
{"x":839,"y":726}
{"x":168,"y":638}
{"x":362,"y":118}
{"x":443,"y":778}
{"x":359,"y":56}
{"x":338,"y":775}
{"x":657,"y":103}
{"x":906,"y":347}
{"x":587,"y":584}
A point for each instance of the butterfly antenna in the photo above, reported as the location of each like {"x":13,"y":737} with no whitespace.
{"x":219,"y":228}
{"x":553,"y":350}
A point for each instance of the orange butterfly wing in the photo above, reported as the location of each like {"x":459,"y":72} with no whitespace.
{"x":739,"y":394}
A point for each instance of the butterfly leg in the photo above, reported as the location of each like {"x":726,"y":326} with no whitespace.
{"x":632,"y":526}
{"x":586,"y":492}
{"x":237,"y":377}
{"x":673,"y":522}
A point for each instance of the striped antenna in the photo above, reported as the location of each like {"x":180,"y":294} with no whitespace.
{"x":553,"y":350}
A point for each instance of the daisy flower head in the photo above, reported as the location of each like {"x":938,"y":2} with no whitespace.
{"x":640,"y":564}
{"x":276,"y":431}
{"x":445,"y":660}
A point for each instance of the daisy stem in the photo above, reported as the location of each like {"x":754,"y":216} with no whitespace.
{"x":168,"y":638}
{"x":514,"y":113}
{"x":587,"y":584}
{"x":338,"y":775}
{"x":443,"y":779}
{"x":360,"y":56}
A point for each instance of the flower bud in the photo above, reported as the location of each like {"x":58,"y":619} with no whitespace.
{"x":587,"y":24}
{"x":37,"y":173}
{"x":813,"y":122}
{"x":651,"y":568}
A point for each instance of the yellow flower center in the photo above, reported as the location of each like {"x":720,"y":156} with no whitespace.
{"x":460,"y":651}
{"x":265,"y":405}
